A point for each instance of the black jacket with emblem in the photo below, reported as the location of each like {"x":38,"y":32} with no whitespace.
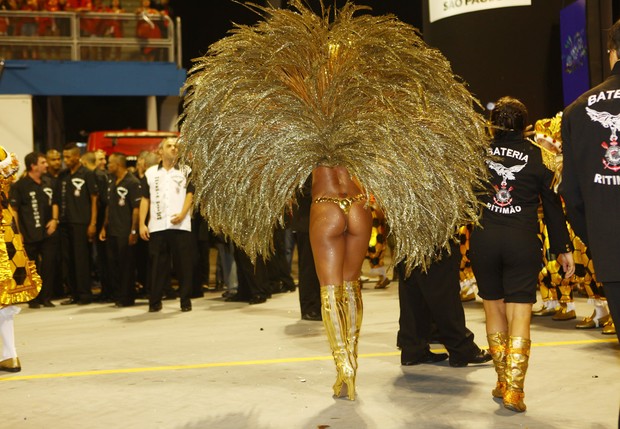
{"x":520,"y":182}
{"x":591,"y":175}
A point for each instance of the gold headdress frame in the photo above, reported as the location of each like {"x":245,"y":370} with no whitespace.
{"x":270,"y":102}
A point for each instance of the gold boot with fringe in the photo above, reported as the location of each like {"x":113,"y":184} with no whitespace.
{"x":498,"y":343}
{"x":334,"y":320}
{"x":517,"y":357}
{"x":354,"y":312}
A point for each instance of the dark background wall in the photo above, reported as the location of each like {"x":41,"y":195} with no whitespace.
{"x":516,"y":51}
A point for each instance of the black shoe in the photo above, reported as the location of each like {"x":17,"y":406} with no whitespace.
{"x":288,"y":287}
{"x":186,"y":305}
{"x":121,"y":305}
{"x":154,"y":308}
{"x":257,"y":299}
{"x":236,"y":298}
{"x":69,"y":301}
{"x":34,"y":304}
{"x":313,"y":316}
{"x":49,"y":304}
{"x":84,"y":302}
{"x":481,"y":357}
{"x":428,"y":357}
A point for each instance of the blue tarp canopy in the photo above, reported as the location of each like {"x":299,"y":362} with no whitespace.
{"x":91,"y":78}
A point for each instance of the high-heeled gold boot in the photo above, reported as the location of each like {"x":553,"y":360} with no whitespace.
{"x":517,"y":358}
{"x":498,"y":343}
{"x":354,"y":312}
{"x":334,"y":320}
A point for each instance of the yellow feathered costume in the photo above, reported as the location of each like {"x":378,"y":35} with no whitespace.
{"x":19,"y":280}
{"x":271,"y":102}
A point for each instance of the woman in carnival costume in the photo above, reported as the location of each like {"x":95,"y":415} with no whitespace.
{"x":19,"y":280}
{"x":505,"y":252}
{"x":364,"y":106}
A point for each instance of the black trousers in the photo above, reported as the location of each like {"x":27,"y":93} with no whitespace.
{"x":250,"y":284}
{"x":76,"y":260}
{"x":612,"y":293}
{"x":309,"y":286}
{"x":433,"y":297}
{"x":277,"y":270}
{"x":122,"y":275}
{"x":142,"y":264}
{"x":103,"y":269}
{"x":43,"y":253}
{"x":167,"y":249}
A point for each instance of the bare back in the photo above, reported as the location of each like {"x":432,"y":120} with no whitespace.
{"x":333,"y":182}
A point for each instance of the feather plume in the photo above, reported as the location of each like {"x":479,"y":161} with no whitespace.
{"x":270,"y":102}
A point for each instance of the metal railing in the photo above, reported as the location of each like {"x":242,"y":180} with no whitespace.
{"x":89,"y":36}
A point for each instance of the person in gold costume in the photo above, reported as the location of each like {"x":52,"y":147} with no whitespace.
{"x":361,"y":104}
{"x":377,"y":246}
{"x":19,"y":280}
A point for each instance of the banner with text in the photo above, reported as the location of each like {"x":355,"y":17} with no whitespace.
{"x":440,"y":9}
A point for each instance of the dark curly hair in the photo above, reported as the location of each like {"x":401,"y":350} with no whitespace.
{"x":508,"y":115}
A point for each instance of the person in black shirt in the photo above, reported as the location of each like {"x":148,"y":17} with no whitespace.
{"x":120,"y":228}
{"x":76,"y":196}
{"x":505,"y":251}
{"x":591,"y":175}
{"x":31,"y":198}
{"x":54,"y":166}
{"x":99,"y":255}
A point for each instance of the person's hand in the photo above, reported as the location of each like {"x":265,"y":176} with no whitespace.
{"x":102,"y":234}
{"x":144,"y":232}
{"x":177,"y":219}
{"x":568,"y":264}
{"x":529,"y":131}
{"x":133,"y":238}
{"x":51,"y":226}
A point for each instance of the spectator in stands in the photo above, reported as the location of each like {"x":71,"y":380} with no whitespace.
{"x":113,"y":28}
{"x":27,"y":26}
{"x":148,"y":28}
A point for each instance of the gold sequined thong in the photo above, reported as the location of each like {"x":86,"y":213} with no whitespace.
{"x":344,"y":203}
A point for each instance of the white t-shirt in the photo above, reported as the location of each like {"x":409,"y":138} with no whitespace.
{"x":166,"y":191}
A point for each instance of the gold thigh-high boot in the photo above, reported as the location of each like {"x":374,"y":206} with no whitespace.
{"x":517,"y":358}
{"x":334,"y":320}
{"x":354,"y":311}
{"x":498,"y":343}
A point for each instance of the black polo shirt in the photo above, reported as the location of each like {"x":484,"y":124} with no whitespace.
{"x":72,"y":194}
{"x":33,"y":202}
{"x":123,"y":198}
{"x":102,"y":178}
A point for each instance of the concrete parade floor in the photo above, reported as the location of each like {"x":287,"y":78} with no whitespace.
{"x":238,"y":366}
